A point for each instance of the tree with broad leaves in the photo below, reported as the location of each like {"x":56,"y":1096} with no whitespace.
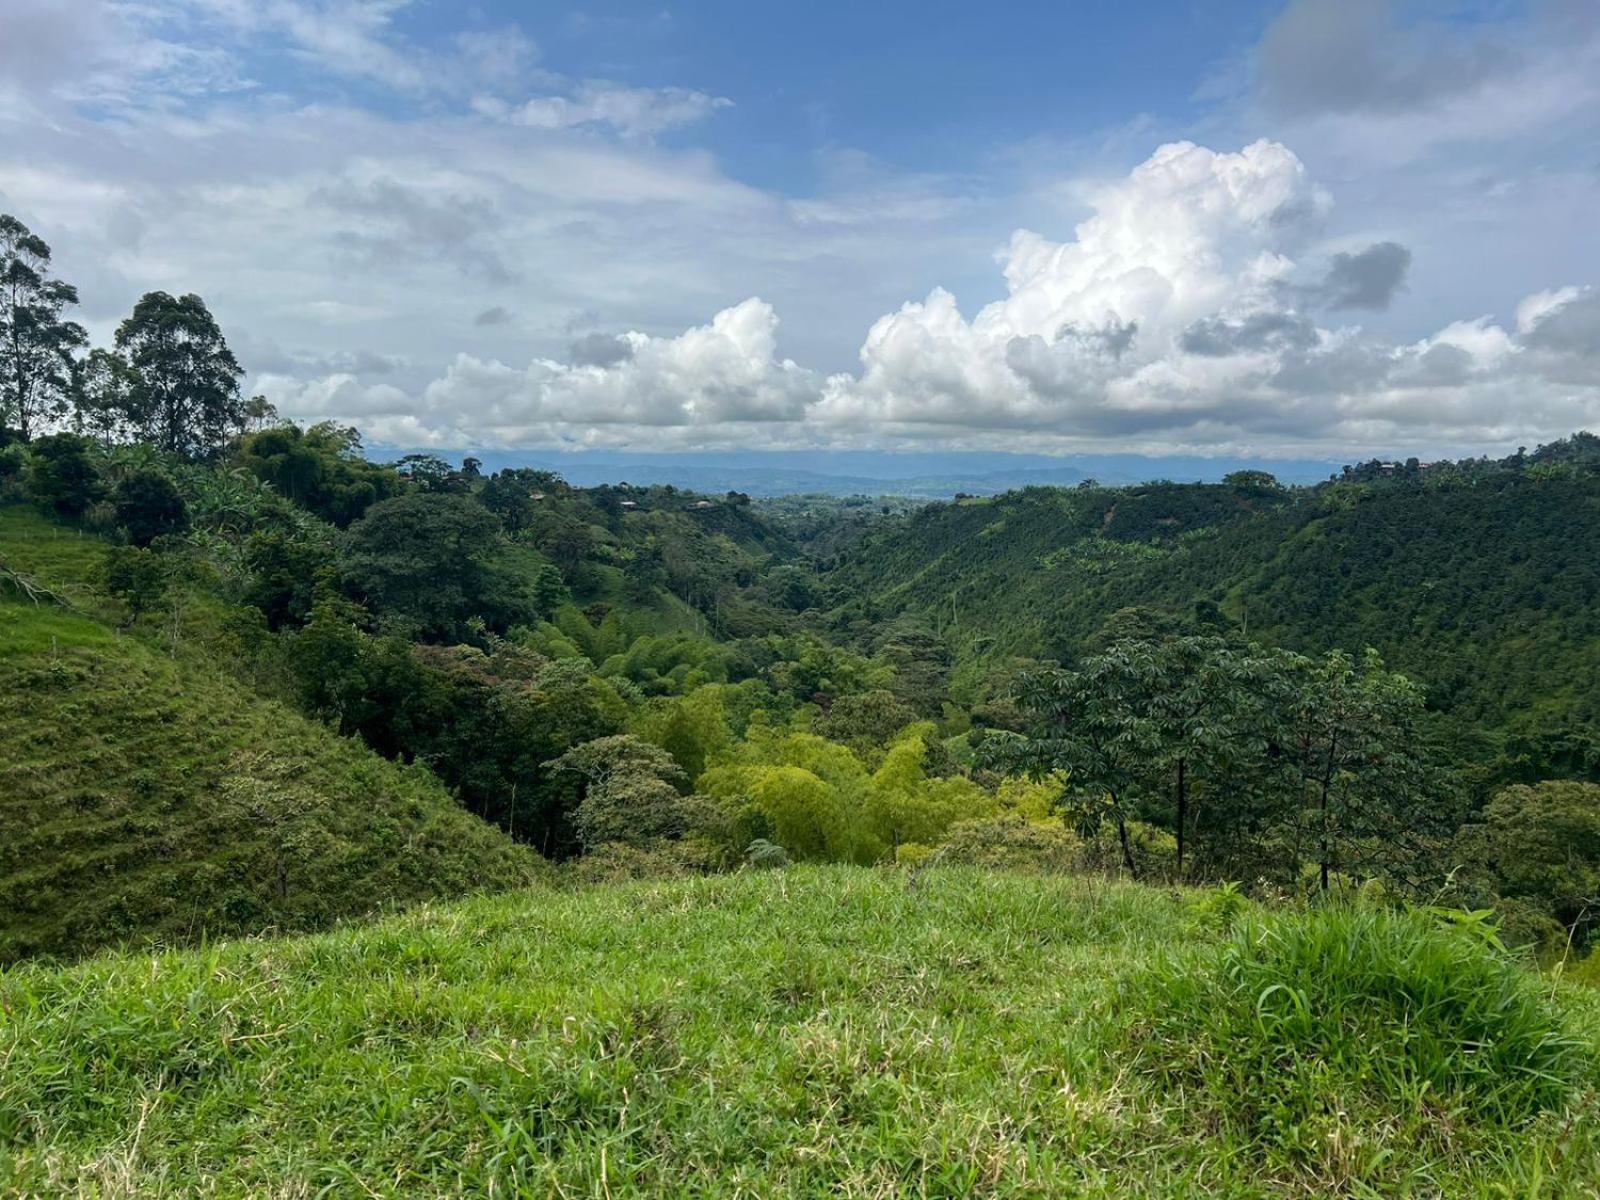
{"x":1255,"y":759}
{"x":1355,"y":753}
{"x":185,"y":389}
{"x":37,"y":343}
{"x":1093,"y":724}
{"x":102,"y":397}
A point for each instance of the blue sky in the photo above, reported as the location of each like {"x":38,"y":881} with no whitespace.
{"x":1283,"y":227}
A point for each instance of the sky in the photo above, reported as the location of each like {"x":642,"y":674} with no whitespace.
{"x":1321,"y":227}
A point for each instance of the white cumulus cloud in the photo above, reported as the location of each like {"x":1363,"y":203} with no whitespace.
{"x":725,"y":372}
{"x":1190,"y":308}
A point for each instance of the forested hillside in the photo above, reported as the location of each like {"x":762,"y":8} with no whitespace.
{"x":1480,"y":581}
{"x":257,"y":679}
{"x":1163,"y":840}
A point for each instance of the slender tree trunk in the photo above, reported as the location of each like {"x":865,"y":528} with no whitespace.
{"x":1122,"y":837}
{"x":1183,"y":811}
{"x":1327,"y":784}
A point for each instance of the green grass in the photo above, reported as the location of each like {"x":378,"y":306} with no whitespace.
{"x":804,"y":1032}
{"x":143,"y":797}
{"x":65,"y":557}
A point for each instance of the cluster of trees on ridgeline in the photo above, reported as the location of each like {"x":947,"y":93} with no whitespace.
{"x":646,"y":679}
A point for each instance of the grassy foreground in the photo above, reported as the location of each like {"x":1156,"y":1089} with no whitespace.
{"x":812,"y":1031}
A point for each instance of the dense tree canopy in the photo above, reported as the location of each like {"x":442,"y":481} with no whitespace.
{"x":37,"y":341}
{"x":430,"y":561}
{"x":185,"y":394}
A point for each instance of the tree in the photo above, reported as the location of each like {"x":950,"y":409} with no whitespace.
{"x":1211,"y":704}
{"x":1540,"y":844}
{"x":137,"y":577}
{"x":37,"y":342}
{"x":632,"y":792}
{"x":1262,"y":760}
{"x":148,"y":506}
{"x":185,"y":391}
{"x":866,"y":719}
{"x":62,"y":474}
{"x":102,"y":397}
{"x":1092,"y":724}
{"x":1252,"y":480}
{"x":320,"y":469}
{"x":431,"y":560}
{"x":430,"y":473}
{"x":1355,"y":755}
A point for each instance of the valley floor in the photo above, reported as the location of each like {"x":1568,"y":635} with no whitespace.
{"x":809,"y":1031}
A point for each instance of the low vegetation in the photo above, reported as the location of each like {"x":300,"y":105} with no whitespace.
{"x":807,"y":1031}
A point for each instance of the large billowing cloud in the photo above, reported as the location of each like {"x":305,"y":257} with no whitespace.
{"x":1184,"y":310}
{"x":1189,"y":308}
{"x":496,"y":253}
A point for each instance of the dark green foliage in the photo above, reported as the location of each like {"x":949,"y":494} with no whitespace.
{"x":320,"y":468}
{"x":184,"y":394}
{"x":1481,"y":581}
{"x":102,"y":397}
{"x":1539,"y":846}
{"x":37,"y":342}
{"x":149,"y":506}
{"x":429,"y":563}
{"x":485,"y":723}
{"x":137,"y":578}
{"x":515,"y":496}
{"x":430,"y":473}
{"x":632,"y":792}
{"x":62,"y":476}
{"x":1261,"y":762}
{"x":284,"y":572}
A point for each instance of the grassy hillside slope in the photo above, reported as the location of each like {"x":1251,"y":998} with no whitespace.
{"x":147,"y":797}
{"x":807,"y":1032}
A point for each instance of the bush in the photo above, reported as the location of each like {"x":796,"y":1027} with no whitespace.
{"x":62,"y":475}
{"x":138,"y":578}
{"x":13,"y":461}
{"x":1154,"y":850}
{"x":1313,"y":1033}
{"x":148,"y":506}
{"x":619,"y":862}
{"x":1010,"y":841}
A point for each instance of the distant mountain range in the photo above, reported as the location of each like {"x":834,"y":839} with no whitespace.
{"x":924,"y":474}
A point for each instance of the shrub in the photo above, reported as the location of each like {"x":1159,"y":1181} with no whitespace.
{"x":62,"y":475}
{"x":1154,"y":850}
{"x":138,"y":578}
{"x":765,"y":855}
{"x":909,"y":854}
{"x":1010,"y":841}
{"x":13,"y":461}
{"x":1314,"y":1033}
{"x":148,"y":506}
{"x":619,"y":862}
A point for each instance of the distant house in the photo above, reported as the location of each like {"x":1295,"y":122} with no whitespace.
{"x":537,"y":496}
{"x":704,"y":504}
{"x":630,"y":504}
